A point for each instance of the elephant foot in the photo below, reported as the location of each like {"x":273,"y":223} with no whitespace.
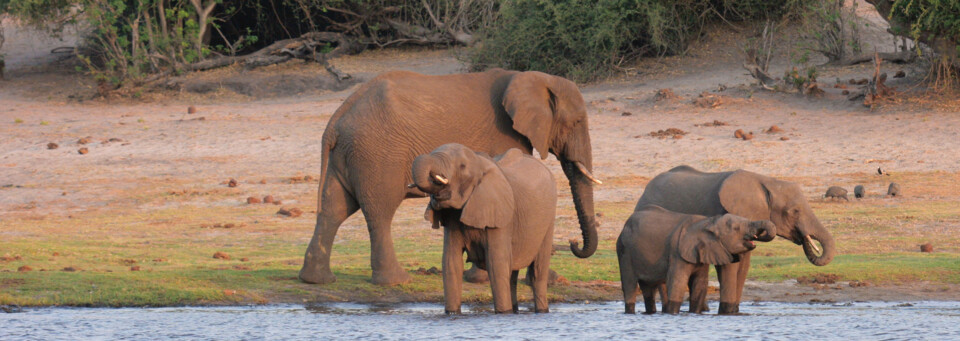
{"x":316,"y":276}
{"x":452,"y":312}
{"x":729,"y":308}
{"x":629,"y":308}
{"x":388,"y":278}
{"x":510,"y":311}
{"x":671,"y":307}
{"x":476,"y":275}
{"x":542,"y":311}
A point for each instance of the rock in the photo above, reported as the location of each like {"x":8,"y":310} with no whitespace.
{"x":9,"y":308}
{"x":229,"y":225}
{"x":738,"y":134}
{"x":244,"y":259}
{"x":773,"y":129}
{"x":742,"y":135}
{"x":927,"y":248}
{"x":858,"y":283}
{"x":669,"y":132}
{"x":715,"y":123}
{"x":290,"y":212}
{"x":431,"y":271}
{"x":83,"y":151}
{"x":221,"y":255}
{"x":232,"y":183}
{"x":191,"y":110}
{"x":784,"y":138}
{"x":69,"y":269}
{"x":253,"y":200}
{"x":135,"y":268}
{"x":268,"y":199}
{"x":708,"y":100}
{"x":84,"y":140}
{"x":278,"y":202}
{"x":52,"y":145}
{"x":626,"y":113}
{"x":24,"y":268}
{"x":893,"y":190}
{"x":858,"y":192}
{"x":845,"y":92}
{"x":263,"y":181}
{"x":900,"y":74}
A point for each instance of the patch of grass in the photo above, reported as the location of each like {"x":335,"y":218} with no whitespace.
{"x":17,"y":121}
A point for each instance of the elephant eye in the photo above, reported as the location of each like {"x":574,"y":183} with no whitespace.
{"x":463,"y":166}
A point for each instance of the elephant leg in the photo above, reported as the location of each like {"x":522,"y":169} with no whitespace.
{"x":742,"y":276}
{"x":513,"y":290}
{"x":540,"y":270}
{"x":383,"y":258}
{"x":649,"y":299}
{"x":452,"y":270}
{"x":677,"y":279}
{"x":697,"y":285}
{"x":728,"y":276}
{"x":662,"y":291}
{"x":336,"y":205}
{"x":498,"y":267}
{"x":629,"y":285}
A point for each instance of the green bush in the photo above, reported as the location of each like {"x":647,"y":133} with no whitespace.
{"x":584,"y":40}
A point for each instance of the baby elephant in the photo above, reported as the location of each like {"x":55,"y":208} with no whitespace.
{"x":658,"y":246}
{"x":836,"y":192}
{"x":499,"y":210}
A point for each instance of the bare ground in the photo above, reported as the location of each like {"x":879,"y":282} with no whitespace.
{"x":263,"y":142}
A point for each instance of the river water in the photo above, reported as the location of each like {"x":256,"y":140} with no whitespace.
{"x":759,"y":321}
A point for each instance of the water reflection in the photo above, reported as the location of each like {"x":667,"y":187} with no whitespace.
{"x":761,"y":320}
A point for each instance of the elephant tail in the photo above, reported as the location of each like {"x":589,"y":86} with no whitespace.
{"x":327,"y":142}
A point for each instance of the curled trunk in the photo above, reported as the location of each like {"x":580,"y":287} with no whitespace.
{"x":820,"y":234}
{"x":424,"y":167}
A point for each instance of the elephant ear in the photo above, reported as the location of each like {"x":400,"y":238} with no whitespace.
{"x":491,"y":204}
{"x":700,"y":243}
{"x":530,"y":103}
{"x":743,"y":193}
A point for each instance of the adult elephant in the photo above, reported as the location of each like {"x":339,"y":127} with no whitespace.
{"x":370,"y":142}
{"x":684,"y":189}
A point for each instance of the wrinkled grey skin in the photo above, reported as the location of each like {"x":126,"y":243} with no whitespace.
{"x":750,"y":195}
{"x":893,"y":190}
{"x":658,"y":247}
{"x":836,"y":192}
{"x":858,"y":192}
{"x":370,"y":143}
{"x":499,"y":211}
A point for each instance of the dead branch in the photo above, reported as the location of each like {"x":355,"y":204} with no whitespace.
{"x":875,"y":89}
{"x":766,"y":81}
{"x":896,"y":57}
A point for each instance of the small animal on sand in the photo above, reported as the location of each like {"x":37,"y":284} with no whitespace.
{"x":893,"y":190}
{"x":836,"y":192}
{"x":858,"y":191}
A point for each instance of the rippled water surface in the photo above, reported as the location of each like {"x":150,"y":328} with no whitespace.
{"x":761,"y":321}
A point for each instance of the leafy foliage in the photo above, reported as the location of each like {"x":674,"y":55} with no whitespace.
{"x":830,"y":28}
{"x":584,"y":40}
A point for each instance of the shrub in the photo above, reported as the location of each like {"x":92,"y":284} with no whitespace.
{"x":584,"y":40}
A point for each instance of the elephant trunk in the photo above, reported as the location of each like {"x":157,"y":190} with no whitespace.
{"x":821,"y":235}
{"x":424,"y":168}
{"x":581,"y":188}
{"x":764,"y":230}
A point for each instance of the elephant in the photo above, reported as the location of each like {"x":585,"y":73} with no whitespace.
{"x":750,"y":195}
{"x":371,"y":140}
{"x":658,"y":247}
{"x":858,"y":191}
{"x":836,"y":192}
{"x":499,"y":210}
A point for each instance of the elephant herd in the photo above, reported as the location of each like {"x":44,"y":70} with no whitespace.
{"x":467,"y":142}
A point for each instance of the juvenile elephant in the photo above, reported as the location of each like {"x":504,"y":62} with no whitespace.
{"x":659,"y":247}
{"x":750,"y":195}
{"x":371,"y":141}
{"x":500,"y":211}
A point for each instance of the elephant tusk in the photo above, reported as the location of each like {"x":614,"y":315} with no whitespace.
{"x":586,"y":173}
{"x":411,"y":185}
{"x":442,"y":180}
{"x":812,"y":244}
